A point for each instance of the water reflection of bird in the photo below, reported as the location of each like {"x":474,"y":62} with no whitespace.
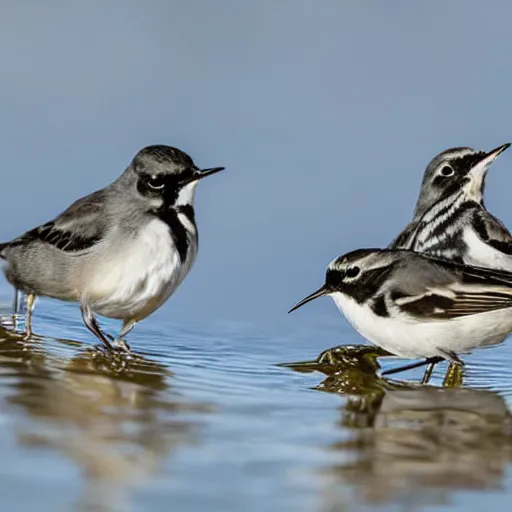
{"x":342,"y":358}
{"x":410,"y":443}
{"x":422,"y":443}
{"x":116,"y":424}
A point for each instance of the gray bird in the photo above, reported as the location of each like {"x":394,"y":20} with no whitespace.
{"x":119,"y":252}
{"x":450,"y":218}
{"x":416,"y":306}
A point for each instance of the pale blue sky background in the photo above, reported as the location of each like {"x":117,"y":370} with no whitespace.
{"x":325,"y":114}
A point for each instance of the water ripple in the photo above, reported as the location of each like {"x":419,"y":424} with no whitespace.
{"x":204,"y":416}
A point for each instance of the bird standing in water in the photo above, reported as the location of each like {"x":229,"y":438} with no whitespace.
{"x":119,"y":252}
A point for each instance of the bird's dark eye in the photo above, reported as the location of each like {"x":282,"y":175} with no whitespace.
{"x":156,"y":182}
{"x":352,"y":272}
{"x":447,"y":171}
{"x":186,"y":174}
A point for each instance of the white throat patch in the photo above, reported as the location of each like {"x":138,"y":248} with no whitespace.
{"x":186,"y":194}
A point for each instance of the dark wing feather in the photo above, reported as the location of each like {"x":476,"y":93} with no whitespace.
{"x":76,"y":229}
{"x":493,"y":231}
{"x":406,"y":237}
{"x":437,"y":306}
{"x":453,"y":289}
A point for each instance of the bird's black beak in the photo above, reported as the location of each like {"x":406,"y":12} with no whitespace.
{"x":482,"y":165}
{"x":203,"y":173}
{"x":496,"y":152}
{"x":489,"y":157}
{"x":319,"y":293}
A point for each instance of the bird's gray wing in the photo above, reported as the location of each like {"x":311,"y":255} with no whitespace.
{"x":432,"y":288}
{"x":78,"y":228}
{"x":492,"y":231}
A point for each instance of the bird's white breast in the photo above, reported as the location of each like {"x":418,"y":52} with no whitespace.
{"x":409,"y":337}
{"x":484,"y":255}
{"x":140,"y":276}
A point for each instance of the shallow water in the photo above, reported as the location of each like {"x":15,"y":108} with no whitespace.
{"x":204,"y":418}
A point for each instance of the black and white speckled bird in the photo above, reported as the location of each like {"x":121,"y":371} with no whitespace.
{"x":450,"y":219}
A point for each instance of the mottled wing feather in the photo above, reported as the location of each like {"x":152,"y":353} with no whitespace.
{"x":453,"y":289}
{"x":76,"y":229}
{"x":432,"y":305}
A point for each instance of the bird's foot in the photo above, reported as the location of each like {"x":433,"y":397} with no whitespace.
{"x":119,"y":345}
{"x":28,"y":332}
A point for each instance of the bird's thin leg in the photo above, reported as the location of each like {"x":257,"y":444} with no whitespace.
{"x":454,"y":376}
{"x":31,"y":299}
{"x":92,"y":324}
{"x":16,"y":303}
{"x":428,"y":360}
{"x":428,"y":373}
{"x":16,"y":307}
{"x":128,"y":325}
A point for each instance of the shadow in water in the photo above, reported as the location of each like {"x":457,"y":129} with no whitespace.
{"x":409,"y":443}
{"x":117,"y":420}
{"x":366,"y":359}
